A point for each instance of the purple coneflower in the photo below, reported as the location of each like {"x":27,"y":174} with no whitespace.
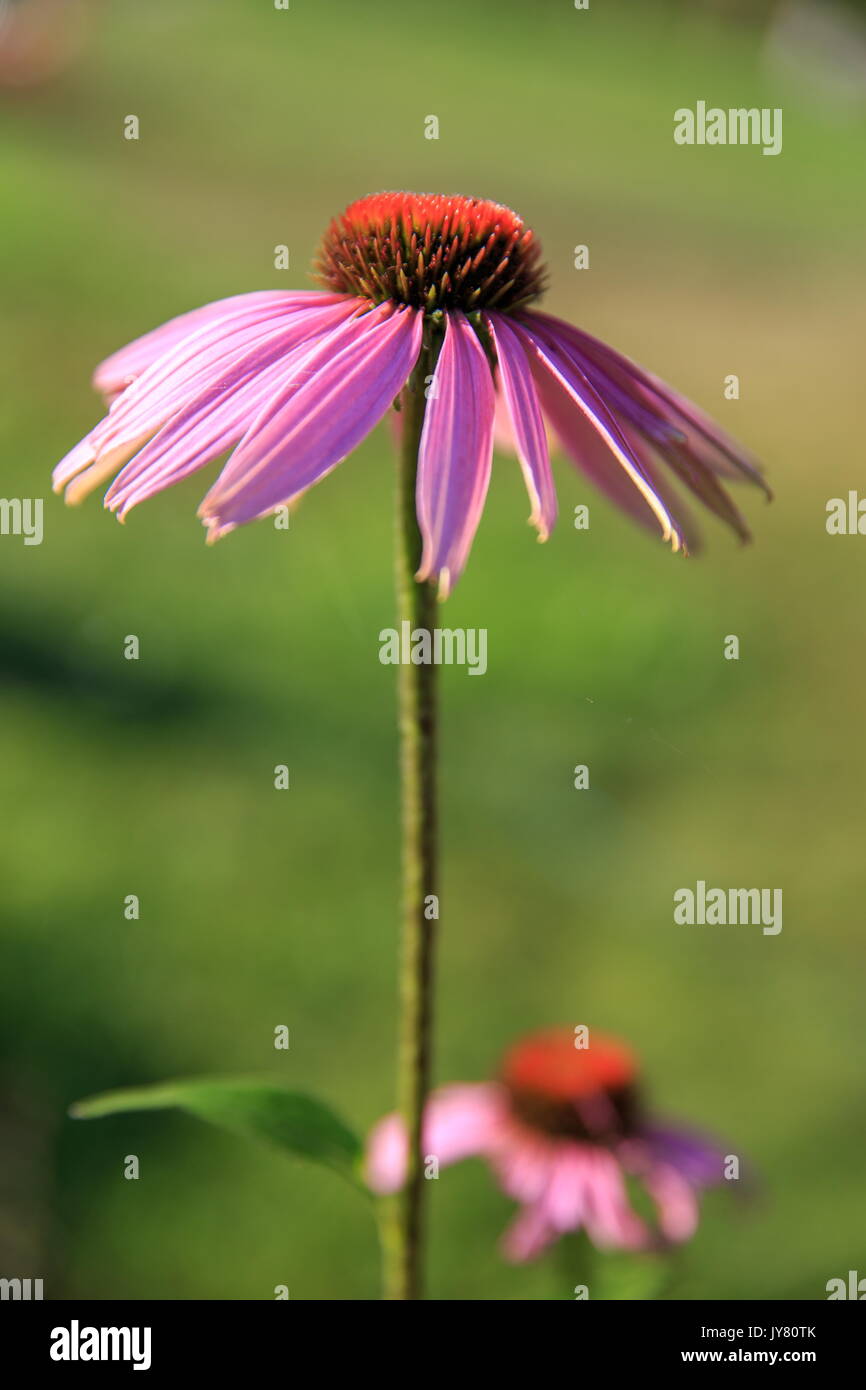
{"x":563,"y":1130}
{"x":425,"y":307}
{"x":293,"y":381}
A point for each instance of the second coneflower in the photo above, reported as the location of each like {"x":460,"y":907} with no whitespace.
{"x":426,"y":306}
{"x":564,"y":1129}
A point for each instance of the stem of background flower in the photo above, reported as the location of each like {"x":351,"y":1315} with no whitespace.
{"x":417,"y":724}
{"x":576,"y":1258}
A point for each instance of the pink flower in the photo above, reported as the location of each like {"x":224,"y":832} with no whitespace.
{"x":562,"y":1130}
{"x":292,"y":382}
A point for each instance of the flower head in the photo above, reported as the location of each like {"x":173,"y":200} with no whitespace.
{"x":292,"y":382}
{"x":433,"y":252}
{"x":563,"y":1129}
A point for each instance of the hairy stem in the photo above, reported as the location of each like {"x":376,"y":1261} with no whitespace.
{"x":416,"y":604}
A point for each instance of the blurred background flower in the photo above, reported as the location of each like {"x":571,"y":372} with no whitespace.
{"x":39,"y":38}
{"x":563,"y":1129}
{"x":155,"y":777}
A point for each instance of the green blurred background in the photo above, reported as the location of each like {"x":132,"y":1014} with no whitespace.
{"x":156,"y":777}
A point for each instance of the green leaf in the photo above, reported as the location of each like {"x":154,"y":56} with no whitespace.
{"x":296,"y":1123}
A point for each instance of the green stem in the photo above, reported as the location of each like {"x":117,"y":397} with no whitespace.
{"x":417,"y":725}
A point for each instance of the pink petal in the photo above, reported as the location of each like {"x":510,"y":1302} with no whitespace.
{"x":528,"y":1235}
{"x":523,"y":1163}
{"x":80,"y":456}
{"x":581,"y":442}
{"x":340,"y":389}
{"x":518,"y":390}
{"x":653,"y":398}
{"x":455,"y":454}
{"x":193,"y":438}
{"x":583,"y":423}
{"x":675,"y":1201}
{"x":609,"y":1219}
{"x":689,"y":459}
{"x":174,"y":380}
{"x":584,"y":1187}
{"x":217,"y":417}
{"x":618,"y":388}
{"x":461,"y":1121}
{"x":122,"y":367}
{"x":386,"y":1155}
{"x":566,"y":1196}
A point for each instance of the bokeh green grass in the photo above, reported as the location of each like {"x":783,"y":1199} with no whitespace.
{"x":155,"y":778}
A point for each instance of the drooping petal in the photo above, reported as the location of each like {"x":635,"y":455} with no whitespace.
{"x":339,"y":391}
{"x":217,"y":417}
{"x":523,"y":1163}
{"x":583,"y":1187}
{"x":530,"y":435}
{"x":565,"y":1198}
{"x":583,"y":396}
{"x":675,"y":1201}
{"x":116,"y":372}
{"x":609,"y":1218}
{"x":673,"y":1164}
{"x":80,"y":456}
{"x":588,"y":450}
{"x":200,"y":359}
{"x":642,"y":428}
{"x":193,"y":438}
{"x":621,"y":391}
{"x":699,"y":1159}
{"x":460,"y":1121}
{"x":652,"y":400}
{"x":99,"y":466}
{"x":175,"y":379}
{"x":703,"y":484}
{"x":528,"y":1236}
{"x":455,"y":454}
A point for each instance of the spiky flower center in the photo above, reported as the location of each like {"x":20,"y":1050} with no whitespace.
{"x":573,"y":1092}
{"x":433,"y":251}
